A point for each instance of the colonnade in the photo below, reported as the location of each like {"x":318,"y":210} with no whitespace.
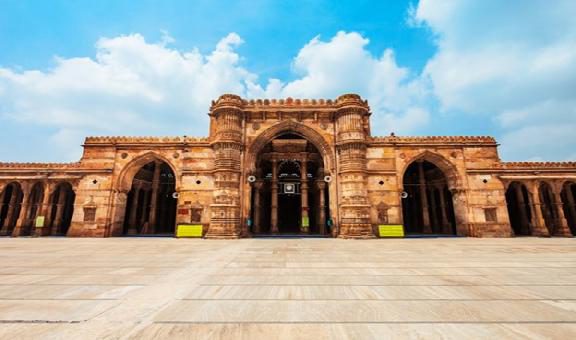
{"x":542,"y":208}
{"x":318,"y":187}
{"x":22,"y":203}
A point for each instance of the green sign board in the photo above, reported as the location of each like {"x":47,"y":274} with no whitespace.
{"x":391,"y":230}
{"x":305,"y":221}
{"x":39,"y":222}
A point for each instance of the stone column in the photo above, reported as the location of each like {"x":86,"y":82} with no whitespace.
{"x":274,"y":203}
{"x":257,"y":223}
{"x":132,"y":228}
{"x":539,"y":225}
{"x":562,"y":228}
{"x":570,"y":202}
{"x":152,"y":217}
{"x":43,"y":211}
{"x":10,"y":214}
{"x":321,"y":185}
{"x":227,"y":143}
{"x":23,"y":214}
{"x":525,"y":223}
{"x":351,"y":146}
{"x":60,"y":205}
{"x":433,"y":209}
{"x":423,"y":199}
{"x":304,"y":198}
{"x":144,"y":222}
{"x":2,"y":197}
{"x":443,"y":216}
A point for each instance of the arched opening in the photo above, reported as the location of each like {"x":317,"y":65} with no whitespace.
{"x":547,"y":206}
{"x":151,"y":204}
{"x":34,"y":209}
{"x":427,"y":207}
{"x":61,"y":209}
{"x":518,"y":202}
{"x":568,"y":196}
{"x":289,"y":195}
{"x":11,"y":204}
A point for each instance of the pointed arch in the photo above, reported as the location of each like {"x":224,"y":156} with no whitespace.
{"x":290,"y":126}
{"x":126,"y":176}
{"x":453,"y":178}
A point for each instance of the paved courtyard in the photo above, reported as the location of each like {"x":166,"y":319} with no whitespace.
{"x":455,"y":288}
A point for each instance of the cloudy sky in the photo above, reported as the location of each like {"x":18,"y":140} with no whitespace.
{"x":69,"y":69}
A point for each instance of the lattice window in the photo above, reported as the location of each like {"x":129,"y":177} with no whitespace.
{"x":490,"y":215}
{"x":89,"y":214}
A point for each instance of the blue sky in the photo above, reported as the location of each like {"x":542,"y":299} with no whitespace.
{"x":446,"y":67}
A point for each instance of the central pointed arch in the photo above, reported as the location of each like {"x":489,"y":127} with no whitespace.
{"x":296,"y":128}
{"x":144,"y":201}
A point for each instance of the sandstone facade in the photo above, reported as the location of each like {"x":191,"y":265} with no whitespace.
{"x":289,"y":167}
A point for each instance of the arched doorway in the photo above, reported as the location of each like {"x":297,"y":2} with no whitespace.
{"x":568,"y":196}
{"x":547,"y":206}
{"x":289,"y":195}
{"x":61,"y":209}
{"x":427,"y":207}
{"x":518,"y":202}
{"x":151,"y":205}
{"x":10,"y":206}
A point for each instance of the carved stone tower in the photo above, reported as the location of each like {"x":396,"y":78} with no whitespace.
{"x":227,"y":146}
{"x":351,"y":115}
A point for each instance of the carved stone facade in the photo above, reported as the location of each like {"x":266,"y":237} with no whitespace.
{"x":289,"y":166}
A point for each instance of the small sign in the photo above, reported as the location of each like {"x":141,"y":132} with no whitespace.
{"x":305,"y":221}
{"x":189,"y":230}
{"x":39,"y":222}
{"x":391,"y":230}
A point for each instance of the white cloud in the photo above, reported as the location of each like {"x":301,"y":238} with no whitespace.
{"x":516,"y":61}
{"x":138,"y":88}
{"x":344,"y":65}
{"x":131,"y":87}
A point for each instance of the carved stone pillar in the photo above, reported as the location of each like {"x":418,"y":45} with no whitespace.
{"x":351,"y":147}
{"x":58,"y":216}
{"x":570,"y":201}
{"x":23,"y":213}
{"x":423,"y":199}
{"x":274,"y":203}
{"x":446,"y":227}
{"x":562,"y":228}
{"x":321,"y":215}
{"x":12,"y":207}
{"x":2,"y":198}
{"x":227,"y":114}
{"x":524,"y":221}
{"x":433,"y":209}
{"x":539,"y":225}
{"x":43,"y":211}
{"x":257,"y":207}
{"x":151,"y":227}
{"x":132,"y":221}
{"x":305,"y":223}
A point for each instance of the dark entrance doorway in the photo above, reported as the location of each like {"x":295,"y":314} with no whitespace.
{"x":289,"y":193}
{"x":151,"y":207}
{"x":428,"y":207}
{"x":518,"y":202}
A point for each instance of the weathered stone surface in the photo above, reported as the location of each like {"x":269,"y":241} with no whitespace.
{"x":464,"y":189}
